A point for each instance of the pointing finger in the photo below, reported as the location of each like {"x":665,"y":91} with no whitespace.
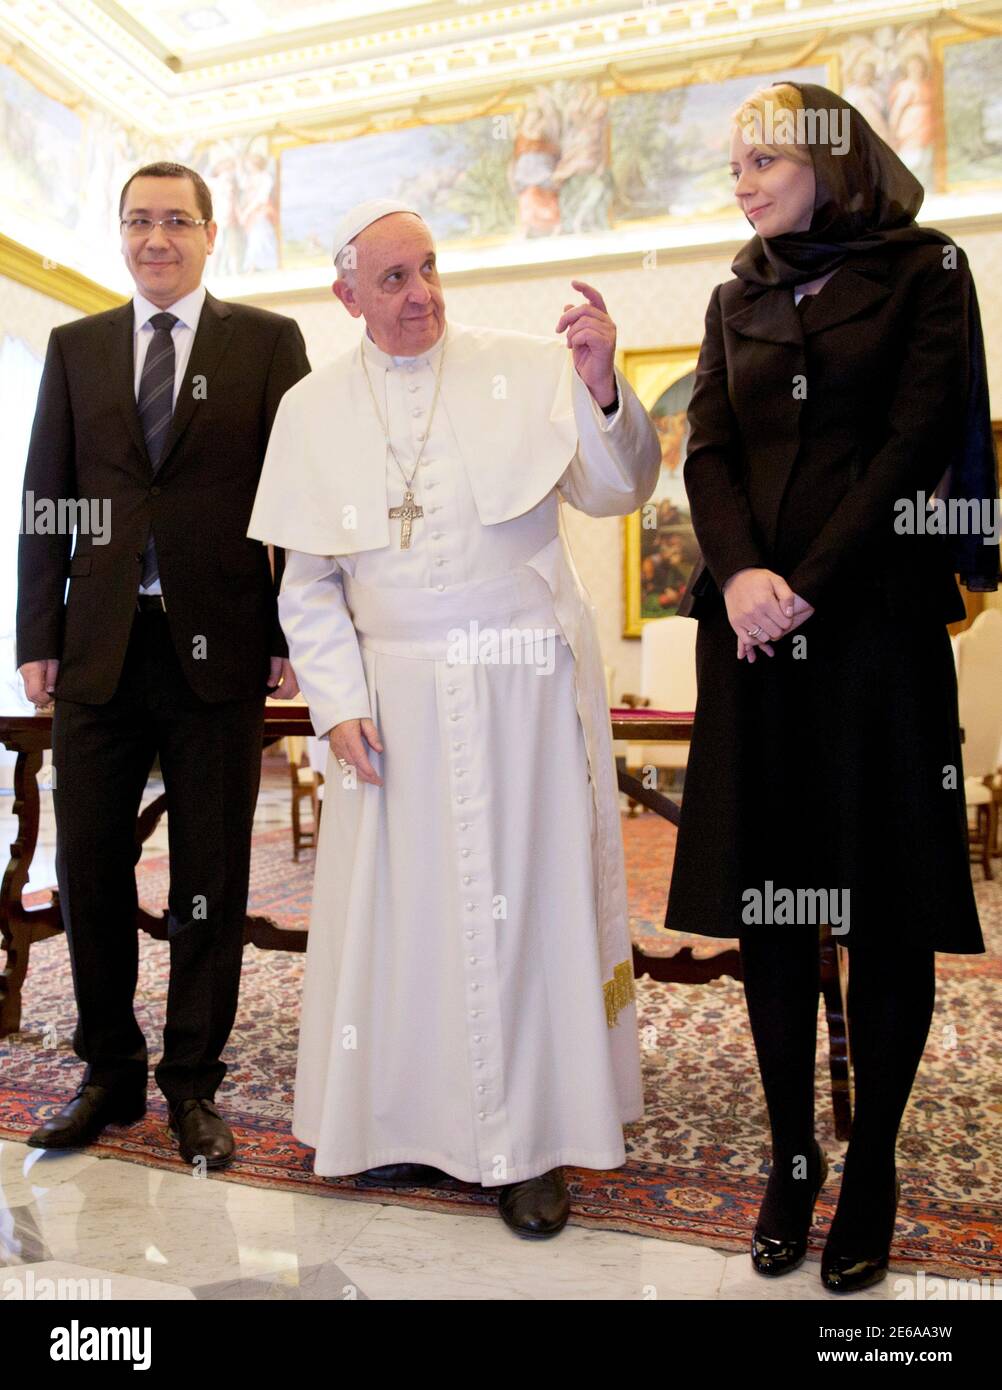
{"x":589,"y":292}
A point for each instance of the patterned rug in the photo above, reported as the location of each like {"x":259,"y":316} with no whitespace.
{"x":696,"y":1165}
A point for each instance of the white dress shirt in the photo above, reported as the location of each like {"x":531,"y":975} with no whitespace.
{"x":187,"y":310}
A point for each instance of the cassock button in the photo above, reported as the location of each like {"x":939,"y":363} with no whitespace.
{"x":465,"y":853}
{"x":474,"y":986}
{"x":417,"y":412}
{"x":482,"y":1115}
{"x":467,"y":878}
{"x":460,"y":799}
{"x":460,"y":772}
{"x":464,"y":825}
{"x":473,"y":959}
{"x":450,"y":690}
{"x":436,"y":535}
{"x":440,"y":561}
{"x":440,"y":587}
{"x":470,"y":935}
{"x":478,"y":1037}
{"x":470,"y":907}
{"x":481,"y":1090}
{"x":478,"y":1065}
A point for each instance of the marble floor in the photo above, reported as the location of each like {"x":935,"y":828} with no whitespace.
{"x":139,"y":1233}
{"x":119,"y":1230}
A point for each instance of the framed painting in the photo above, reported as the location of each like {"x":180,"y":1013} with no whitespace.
{"x":659,"y":544}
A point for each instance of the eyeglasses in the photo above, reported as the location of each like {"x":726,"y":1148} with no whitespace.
{"x":173,"y":226}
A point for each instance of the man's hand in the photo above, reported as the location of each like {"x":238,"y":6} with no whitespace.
{"x":591,"y":336}
{"x":39,"y":681}
{"x":348,"y":740}
{"x":282,"y":683}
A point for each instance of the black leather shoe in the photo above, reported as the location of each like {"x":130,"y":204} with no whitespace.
{"x":202,"y":1133}
{"x":842,"y":1273}
{"x":402,"y":1175}
{"x":772,"y":1255}
{"x":83,"y":1119}
{"x":537,"y":1207}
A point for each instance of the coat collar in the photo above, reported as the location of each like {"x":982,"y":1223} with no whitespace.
{"x":768,"y":313}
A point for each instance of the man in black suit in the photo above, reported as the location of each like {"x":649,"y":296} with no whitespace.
{"x":153,"y":419}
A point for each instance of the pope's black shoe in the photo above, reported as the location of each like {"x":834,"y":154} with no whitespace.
{"x":402,"y":1175}
{"x":538,"y":1207}
{"x":774,"y":1255}
{"x":83,"y":1119}
{"x":844,"y":1272}
{"x":202,"y":1133}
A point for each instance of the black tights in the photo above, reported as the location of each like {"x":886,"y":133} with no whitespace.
{"x":891,"y":996}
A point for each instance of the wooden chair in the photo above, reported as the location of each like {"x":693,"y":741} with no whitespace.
{"x":305,"y":783}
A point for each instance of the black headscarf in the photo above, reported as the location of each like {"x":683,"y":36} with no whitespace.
{"x":866,"y":198}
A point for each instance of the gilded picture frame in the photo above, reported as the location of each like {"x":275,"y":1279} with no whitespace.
{"x":659,"y":545}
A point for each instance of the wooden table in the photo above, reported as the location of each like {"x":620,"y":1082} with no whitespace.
{"x":29,"y":735}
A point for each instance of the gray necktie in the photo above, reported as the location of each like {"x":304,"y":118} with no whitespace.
{"x":156,"y":408}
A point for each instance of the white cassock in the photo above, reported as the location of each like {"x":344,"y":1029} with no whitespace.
{"x":468,"y":993}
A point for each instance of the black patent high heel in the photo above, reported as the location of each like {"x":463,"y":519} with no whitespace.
{"x":842,"y":1273}
{"x":772,"y":1255}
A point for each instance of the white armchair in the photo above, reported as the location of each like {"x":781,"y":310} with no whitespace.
{"x":978,"y":652}
{"x":668,"y":682}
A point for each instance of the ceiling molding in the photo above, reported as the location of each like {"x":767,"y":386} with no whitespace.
{"x":27,"y":267}
{"x":456,"y":52}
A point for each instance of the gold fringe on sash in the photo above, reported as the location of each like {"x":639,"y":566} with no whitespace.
{"x":619,"y":991}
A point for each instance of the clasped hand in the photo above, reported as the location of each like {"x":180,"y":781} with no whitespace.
{"x":761,"y":607}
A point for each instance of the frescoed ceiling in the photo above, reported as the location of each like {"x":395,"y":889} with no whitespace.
{"x":173,"y":67}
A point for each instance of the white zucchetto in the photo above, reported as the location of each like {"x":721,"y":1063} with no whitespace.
{"x":363,"y":215}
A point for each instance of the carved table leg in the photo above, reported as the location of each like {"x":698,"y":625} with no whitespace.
{"x":19,"y":927}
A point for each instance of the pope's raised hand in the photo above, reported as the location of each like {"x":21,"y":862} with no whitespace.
{"x":591,"y":336}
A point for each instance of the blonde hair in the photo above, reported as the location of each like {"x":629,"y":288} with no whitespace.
{"x":762,"y":111}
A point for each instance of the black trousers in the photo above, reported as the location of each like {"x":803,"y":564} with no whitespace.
{"x":210,"y":757}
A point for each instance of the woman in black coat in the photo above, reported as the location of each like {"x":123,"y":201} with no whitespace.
{"x":841,"y":376}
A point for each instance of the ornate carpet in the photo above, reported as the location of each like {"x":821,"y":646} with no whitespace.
{"x":696,"y":1165}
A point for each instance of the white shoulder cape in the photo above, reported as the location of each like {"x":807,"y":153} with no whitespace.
{"x":508,"y":398}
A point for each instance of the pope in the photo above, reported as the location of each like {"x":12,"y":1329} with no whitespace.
{"x":468,"y":1006}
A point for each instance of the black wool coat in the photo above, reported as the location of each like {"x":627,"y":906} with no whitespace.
{"x":835,"y":764}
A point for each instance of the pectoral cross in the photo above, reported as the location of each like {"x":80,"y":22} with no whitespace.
{"x":406,"y":513}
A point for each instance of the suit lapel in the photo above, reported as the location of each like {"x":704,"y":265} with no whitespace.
{"x":854,"y":290}
{"x":767,"y":315}
{"x":770,"y":315}
{"x":211,"y":337}
{"x":121,"y":331}
{"x":768,"y":318}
